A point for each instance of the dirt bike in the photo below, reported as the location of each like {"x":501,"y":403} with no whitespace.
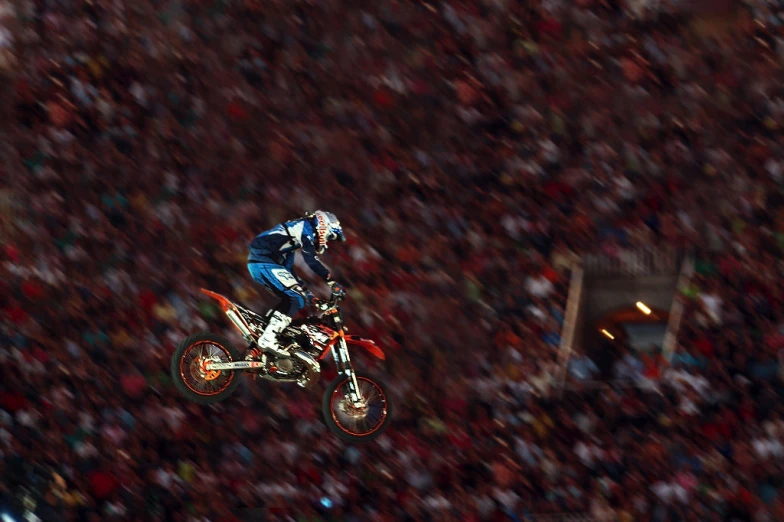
{"x":206,"y":367}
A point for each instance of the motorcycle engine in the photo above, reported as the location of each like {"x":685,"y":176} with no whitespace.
{"x":284,"y":365}
{"x":290,"y":369}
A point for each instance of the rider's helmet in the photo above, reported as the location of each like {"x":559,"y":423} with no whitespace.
{"x":327,"y":228}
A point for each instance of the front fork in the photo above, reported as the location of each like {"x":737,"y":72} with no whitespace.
{"x":343,"y":361}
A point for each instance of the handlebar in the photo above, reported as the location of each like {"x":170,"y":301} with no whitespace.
{"x":330,"y":303}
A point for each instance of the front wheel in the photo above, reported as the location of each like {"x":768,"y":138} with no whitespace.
{"x":356,"y":424}
{"x":188,"y":368}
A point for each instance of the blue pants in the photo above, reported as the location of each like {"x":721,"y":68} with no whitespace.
{"x":282,"y":283}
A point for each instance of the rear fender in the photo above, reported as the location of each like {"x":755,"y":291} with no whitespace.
{"x":230,"y":309}
{"x":368,"y":344}
{"x":224,"y":302}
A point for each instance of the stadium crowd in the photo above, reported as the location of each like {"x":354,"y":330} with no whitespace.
{"x":473,"y":150}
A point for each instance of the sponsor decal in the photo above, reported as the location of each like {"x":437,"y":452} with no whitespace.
{"x":284,"y":277}
{"x":236,"y":364}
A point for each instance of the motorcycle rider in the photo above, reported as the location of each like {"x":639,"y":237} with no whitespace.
{"x":271,"y":264}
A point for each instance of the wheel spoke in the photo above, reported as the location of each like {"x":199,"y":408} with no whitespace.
{"x":195,"y":376}
{"x":359,"y":421}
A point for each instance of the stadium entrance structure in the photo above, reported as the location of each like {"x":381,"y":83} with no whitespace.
{"x":623,"y":305}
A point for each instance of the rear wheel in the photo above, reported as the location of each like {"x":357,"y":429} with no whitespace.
{"x":188,"y":368}
{"x":356,"y":424}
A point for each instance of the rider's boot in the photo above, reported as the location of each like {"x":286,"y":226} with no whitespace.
{"x":268,"y":341}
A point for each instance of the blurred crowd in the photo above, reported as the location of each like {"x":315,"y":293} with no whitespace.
{"x":474,"y":150}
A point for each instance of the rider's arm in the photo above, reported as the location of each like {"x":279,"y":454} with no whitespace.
{"x":313,"y":261}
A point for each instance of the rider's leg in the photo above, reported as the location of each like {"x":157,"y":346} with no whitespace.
{"x":268,"y":341}
{"x":293,"y":300}
{"x":283,"y":284}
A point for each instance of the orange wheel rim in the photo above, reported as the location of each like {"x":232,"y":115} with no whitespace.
{"x":193,"y":370}
{"x":355,"y":422}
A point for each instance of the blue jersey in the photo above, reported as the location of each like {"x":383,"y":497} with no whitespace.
{"x":279,"y":244}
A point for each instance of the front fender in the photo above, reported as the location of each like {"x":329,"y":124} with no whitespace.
{"x":368,"y":344}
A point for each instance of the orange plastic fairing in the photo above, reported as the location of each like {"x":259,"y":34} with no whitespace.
{"x":224,"y":302}
{"x":367,"y":344}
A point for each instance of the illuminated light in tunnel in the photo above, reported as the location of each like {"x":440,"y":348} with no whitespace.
{"x":644,"y":309}
{"x":607,"y":334}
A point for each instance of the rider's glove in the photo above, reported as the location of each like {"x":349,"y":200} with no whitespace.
{"x":337,"y":290}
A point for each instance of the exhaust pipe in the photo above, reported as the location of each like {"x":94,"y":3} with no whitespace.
{"x":313,"y":369}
